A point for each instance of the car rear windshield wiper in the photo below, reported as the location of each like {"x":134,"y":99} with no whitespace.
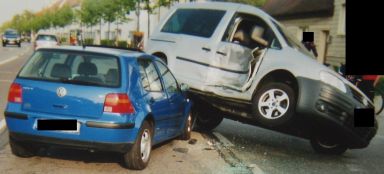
{"x":80,"y":82}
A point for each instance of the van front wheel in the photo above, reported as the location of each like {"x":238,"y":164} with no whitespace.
{"x":274,"y":104}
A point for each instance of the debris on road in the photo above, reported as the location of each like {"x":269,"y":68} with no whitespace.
{"x":192,"y":141}
{"x":181,"y":150}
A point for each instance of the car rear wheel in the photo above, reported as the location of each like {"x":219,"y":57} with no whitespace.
{"x":22,"y":150}
{"x":327,"y":146}
{"x":19,"y":45}
{"x":138,"y":156}
{"x":187,"y":131}
{"x":274,"y":104}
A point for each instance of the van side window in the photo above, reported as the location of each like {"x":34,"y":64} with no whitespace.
{"x":149,"y":77}
{"x":196,"y":22}
{"x":250,"y":31}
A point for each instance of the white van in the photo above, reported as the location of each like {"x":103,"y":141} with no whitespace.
{"x":240,"y":62}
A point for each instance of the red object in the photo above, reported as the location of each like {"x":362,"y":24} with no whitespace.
{"x":118,"y":103}
{"x":15,"y":93}
{"x":369,"y":77}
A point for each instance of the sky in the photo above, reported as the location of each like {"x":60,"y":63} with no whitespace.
{"x":9,"y":8}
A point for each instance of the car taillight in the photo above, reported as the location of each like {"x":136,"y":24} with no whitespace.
{"x":118,"y":103}
{"x":15,"y":93}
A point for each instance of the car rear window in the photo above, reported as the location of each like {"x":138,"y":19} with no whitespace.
{"x":197,"y":22}
{"x":73,"y":67}
{"x":46,"y":38}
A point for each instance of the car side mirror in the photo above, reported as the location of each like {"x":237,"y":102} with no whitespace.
{"x":184,"y":87}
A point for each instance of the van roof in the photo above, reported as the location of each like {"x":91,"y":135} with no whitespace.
{"x":227,"y":6}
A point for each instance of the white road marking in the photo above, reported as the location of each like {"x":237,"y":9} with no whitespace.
{"x":223,"y":140}
{"x":14,"y":57}
{"x":6,"y":81}
{"x":8,"y":60}
{"x":3,"y":125}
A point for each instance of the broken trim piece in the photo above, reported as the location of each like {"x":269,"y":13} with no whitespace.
{"x":205,"y":64}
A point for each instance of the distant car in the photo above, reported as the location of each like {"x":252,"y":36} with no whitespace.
{"x":11,"y":37}
{"x":46,"y":41}
{"x":96,"y":99}
{"x":241,"y":63}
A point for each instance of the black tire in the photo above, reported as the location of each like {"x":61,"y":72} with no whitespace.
{"x":379,"y":103}
{"x":19,"y":45}
{"x":4,"y":45}
{"x":22,"y":150}
{"x":277,"y":118}
{"x":327,"y":147}
{"x":207,"y":118}
{"x":187,"y":130}
{"x":133,"y":158}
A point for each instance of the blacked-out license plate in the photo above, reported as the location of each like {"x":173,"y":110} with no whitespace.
{"x":58,"y":125}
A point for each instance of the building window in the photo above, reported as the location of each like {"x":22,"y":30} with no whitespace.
{"x":341,"y":23}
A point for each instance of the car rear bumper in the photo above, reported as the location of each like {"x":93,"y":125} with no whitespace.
{"x":69,"y":143}
{"x":92,"y":134}
{"x":332,"y":112}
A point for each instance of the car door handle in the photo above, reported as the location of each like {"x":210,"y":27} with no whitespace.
{"x":206,"y":49}
{"x":221,"y":53}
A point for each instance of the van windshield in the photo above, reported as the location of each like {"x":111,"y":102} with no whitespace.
{"x":291,"y":40}
{"x":196,"y":22}
{"x":73,"y":67}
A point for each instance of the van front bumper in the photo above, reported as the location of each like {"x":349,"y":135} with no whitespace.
{"x":331,"y":112}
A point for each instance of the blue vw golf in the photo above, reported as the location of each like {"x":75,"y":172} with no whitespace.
{"x":97,"y":99}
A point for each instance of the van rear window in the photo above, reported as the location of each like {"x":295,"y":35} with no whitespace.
{"x":197,"y":22}
{"x":73,"y":67}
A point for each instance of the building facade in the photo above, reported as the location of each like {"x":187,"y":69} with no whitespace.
{"x":326,"y":18}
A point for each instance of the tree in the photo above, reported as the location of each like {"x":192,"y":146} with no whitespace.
{"x":257,"y":3}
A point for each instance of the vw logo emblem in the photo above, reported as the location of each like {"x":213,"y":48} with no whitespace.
{"x":61,"y":92}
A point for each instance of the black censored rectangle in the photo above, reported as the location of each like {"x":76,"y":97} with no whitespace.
{"x":62,"y":125}
{"x":364,"y":117}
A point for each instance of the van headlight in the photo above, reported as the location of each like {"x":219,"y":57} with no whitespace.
{"x":333,"y":80}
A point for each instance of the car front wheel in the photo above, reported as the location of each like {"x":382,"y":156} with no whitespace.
{"x":138,"y":156}
{"x":274,"y":104}
{"x":187,"y":131}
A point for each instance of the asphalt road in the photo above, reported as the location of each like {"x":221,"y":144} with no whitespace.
{"x":274,"y":152}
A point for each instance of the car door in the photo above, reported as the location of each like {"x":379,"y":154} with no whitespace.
{"x":194,"y":29}
{"x":175,"y":97}
{"x":157,"y":97}
{"x":241,"y":51}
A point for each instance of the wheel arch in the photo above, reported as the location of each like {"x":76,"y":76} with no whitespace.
{"x":280,"y":75}
{"x":161,"y":55}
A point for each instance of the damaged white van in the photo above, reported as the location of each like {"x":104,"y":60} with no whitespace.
{"x":242,"y":64}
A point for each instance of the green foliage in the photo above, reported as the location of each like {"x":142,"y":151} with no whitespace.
{"x":122,"y":44}
{"x":88,"y":41}
{"x":257,"y":3}
{"x":63,"y":40}
{"x":107,"y":42}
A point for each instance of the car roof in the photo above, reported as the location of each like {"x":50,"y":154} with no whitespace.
{"x":100,"y":50}
{"x":227,"y":6}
